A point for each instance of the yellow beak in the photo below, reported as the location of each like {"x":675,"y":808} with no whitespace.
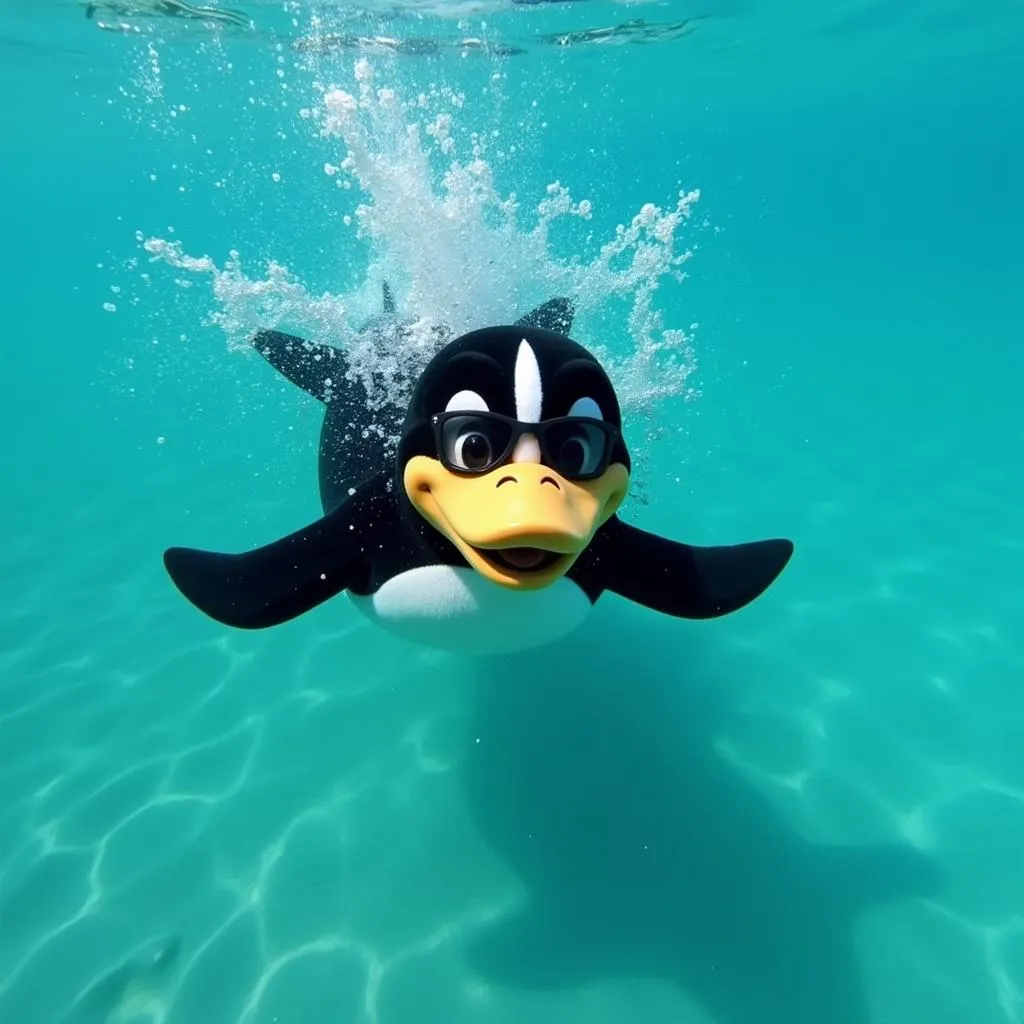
{"x":521,"y":525}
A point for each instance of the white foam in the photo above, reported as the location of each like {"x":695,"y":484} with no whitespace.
{"x":458,"y":252}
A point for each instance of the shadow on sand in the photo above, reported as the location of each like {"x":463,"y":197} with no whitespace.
{"x":645,"y":854}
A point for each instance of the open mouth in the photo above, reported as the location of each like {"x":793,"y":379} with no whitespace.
{"x":522,"y":560}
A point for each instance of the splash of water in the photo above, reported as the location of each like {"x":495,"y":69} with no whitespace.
{"x":457,"y":254}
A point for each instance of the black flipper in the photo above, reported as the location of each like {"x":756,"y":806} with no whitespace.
{"x":274,"y":583}
{"x":555,"y":315}
{"x":686,"y":581}
{"x":307,"y":364}
{"x":389,"y":298}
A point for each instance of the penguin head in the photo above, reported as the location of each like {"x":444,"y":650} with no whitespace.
{"x":512,"y":449}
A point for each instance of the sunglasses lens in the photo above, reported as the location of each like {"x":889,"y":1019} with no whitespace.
{"x":577,"y":449}
{"x":473,"y":444}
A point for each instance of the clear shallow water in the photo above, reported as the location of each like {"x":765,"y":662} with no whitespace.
{"x":328,"y":822}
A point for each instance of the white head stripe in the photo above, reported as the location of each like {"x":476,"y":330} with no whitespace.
{"x":586,"y":407}
{"x":528,"y":390}
{"x":466,"y":401}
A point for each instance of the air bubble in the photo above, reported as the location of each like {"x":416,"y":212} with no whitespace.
{"x":458,"y":251}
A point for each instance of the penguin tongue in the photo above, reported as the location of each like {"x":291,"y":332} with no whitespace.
{"x":523,"y":558}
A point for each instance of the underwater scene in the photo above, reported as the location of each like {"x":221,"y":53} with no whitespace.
{"x":512,"y":512}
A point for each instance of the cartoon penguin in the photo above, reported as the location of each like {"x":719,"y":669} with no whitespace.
{"x":494,"y":527}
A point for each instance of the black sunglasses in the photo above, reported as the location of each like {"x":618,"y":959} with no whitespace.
{"x":578,"y":447}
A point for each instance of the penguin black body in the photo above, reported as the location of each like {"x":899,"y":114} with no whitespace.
{"x":492,"y":528}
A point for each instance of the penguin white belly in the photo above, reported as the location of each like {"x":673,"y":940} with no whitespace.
{"x":453,"y":608}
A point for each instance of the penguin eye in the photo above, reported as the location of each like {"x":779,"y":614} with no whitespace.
{"x":473,"y":443}
{"x":579,"y":449}
{"x":471,"y":451}
{"x":575,"y":455}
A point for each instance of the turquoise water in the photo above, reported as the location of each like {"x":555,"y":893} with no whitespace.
{"x":809,"y":812}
